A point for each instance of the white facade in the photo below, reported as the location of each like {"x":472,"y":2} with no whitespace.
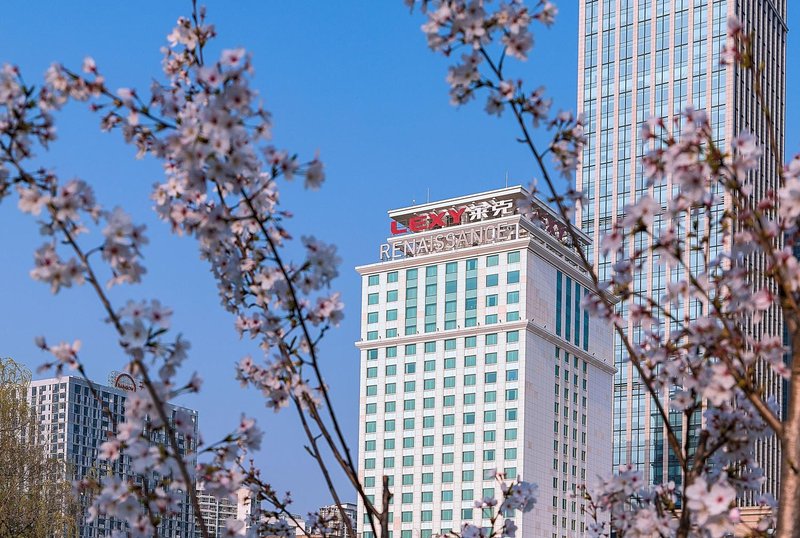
{"x":72,"y":426}
{"x":471,"y":365}
{"x":216,"y":512}
{"x":333,"y":514}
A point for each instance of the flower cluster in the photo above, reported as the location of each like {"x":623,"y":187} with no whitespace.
{"x":704,"y":346}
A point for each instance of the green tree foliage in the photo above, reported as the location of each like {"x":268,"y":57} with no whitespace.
{"x":36,"y":500}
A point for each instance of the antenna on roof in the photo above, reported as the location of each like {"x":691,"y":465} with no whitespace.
{"x":506,"y":178}
{"x":428,"y":198}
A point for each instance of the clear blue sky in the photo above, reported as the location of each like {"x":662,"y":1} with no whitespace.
{"x":352,"y":79}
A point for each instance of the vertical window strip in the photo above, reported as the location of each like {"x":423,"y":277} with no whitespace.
{"x":568,"y":311}
{"x":585,"y":325}
{"x":577,"y":314}
{"x":559,"y":277}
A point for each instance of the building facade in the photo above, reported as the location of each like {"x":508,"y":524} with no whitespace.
{"x":215,"y":512}
{"x":477,"y":359}
{"x":73,"y":425}
{"x":337,"y":526}
{"x":651,"y":58}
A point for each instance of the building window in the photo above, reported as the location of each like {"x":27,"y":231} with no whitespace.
{"x":513,"y":257}
{"x":559,"y":278}
{"x":391,"y":315}
{"x":491,"y":300}
{"x":491,"y":280}
{"x":512,"y":277}
{"x":391,"y":277}
{"x":373,"y":280}
{"x":372,"y":298}
{"x":391,"y":296}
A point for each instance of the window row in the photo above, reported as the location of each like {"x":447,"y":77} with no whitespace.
{"x":450,"y":268}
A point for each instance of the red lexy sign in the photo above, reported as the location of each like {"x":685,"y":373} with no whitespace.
{"x":430,"y":221}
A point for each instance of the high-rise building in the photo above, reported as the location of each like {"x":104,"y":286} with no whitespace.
{"x":332,"y":514}
{"x":216,"y":512}
{"x":73,"y":425}
{"x":477,"y":359}
{"x":651,"y":58}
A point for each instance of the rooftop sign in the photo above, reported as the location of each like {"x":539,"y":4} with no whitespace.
{"x":472,"y":220}
{"x":463,"y":214}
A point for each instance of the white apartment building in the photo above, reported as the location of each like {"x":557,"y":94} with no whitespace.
{"x":216,"y":512}
{"x":333,"y":514}
{"x":477,"y":358}
{"x":72,"y":426}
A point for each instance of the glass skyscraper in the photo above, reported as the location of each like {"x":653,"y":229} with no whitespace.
{"x":643,"y":58}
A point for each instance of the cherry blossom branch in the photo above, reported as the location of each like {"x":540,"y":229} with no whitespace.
{"x":596,"y":287}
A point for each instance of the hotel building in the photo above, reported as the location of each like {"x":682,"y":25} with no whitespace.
{"x":72,"y":426}
{"x":477,"y":358}
{"x":651,"y":58}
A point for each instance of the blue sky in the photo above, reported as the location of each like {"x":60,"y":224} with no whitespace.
{"x":353,"y":80}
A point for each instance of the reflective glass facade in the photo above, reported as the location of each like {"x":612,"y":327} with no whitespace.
{"x":643,"y":58}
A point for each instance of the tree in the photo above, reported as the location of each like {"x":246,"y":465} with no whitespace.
{"x":36,"y":499}
{"x":708,"y":364}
